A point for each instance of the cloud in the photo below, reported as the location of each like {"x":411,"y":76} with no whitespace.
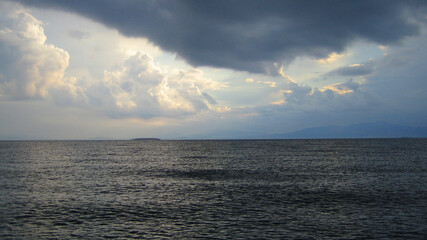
{"x":400,"y":77}
{"x":390,"y":87}
{"x":253,"y":35}
{"x":333,"y":57}
{"x":136,"y":87}
{"x":396,"y":79}
{"x":139,"y":88}
{"x":335,"y":97}
{"x":342,"y":88}
{"x":30,"y":68}
{"x":354,"y":70}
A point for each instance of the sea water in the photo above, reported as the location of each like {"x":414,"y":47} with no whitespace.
{"x":254,"y":189}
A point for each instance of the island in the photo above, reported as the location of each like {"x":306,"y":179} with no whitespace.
{"x":146,"y":139}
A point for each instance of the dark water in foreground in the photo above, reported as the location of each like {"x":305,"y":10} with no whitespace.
{"x":343,"y":189}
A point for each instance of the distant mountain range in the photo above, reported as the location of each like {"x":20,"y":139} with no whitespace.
{"x":364,"y":130}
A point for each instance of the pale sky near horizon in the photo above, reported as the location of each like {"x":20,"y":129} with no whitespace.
{"x":176,"y":69}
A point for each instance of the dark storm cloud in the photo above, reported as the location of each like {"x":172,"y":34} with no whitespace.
{"x":251,"y":35}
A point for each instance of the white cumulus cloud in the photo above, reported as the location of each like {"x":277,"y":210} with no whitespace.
{"x":29,"y":68}
{"x":139,"y":88}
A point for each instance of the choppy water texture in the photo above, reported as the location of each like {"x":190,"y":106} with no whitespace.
{"x":343,"y":189}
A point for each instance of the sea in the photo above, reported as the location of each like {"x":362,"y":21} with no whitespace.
{"x":214,"y":189}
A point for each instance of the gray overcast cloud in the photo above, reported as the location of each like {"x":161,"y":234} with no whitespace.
{"x":252,"y":35}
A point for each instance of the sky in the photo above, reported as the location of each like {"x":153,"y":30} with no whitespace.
{"x":120,"y":69}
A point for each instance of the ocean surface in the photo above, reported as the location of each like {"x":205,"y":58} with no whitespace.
{"x":254,"y":189}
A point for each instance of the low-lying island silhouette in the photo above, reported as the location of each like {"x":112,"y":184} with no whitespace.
{"x":146,"y":139}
